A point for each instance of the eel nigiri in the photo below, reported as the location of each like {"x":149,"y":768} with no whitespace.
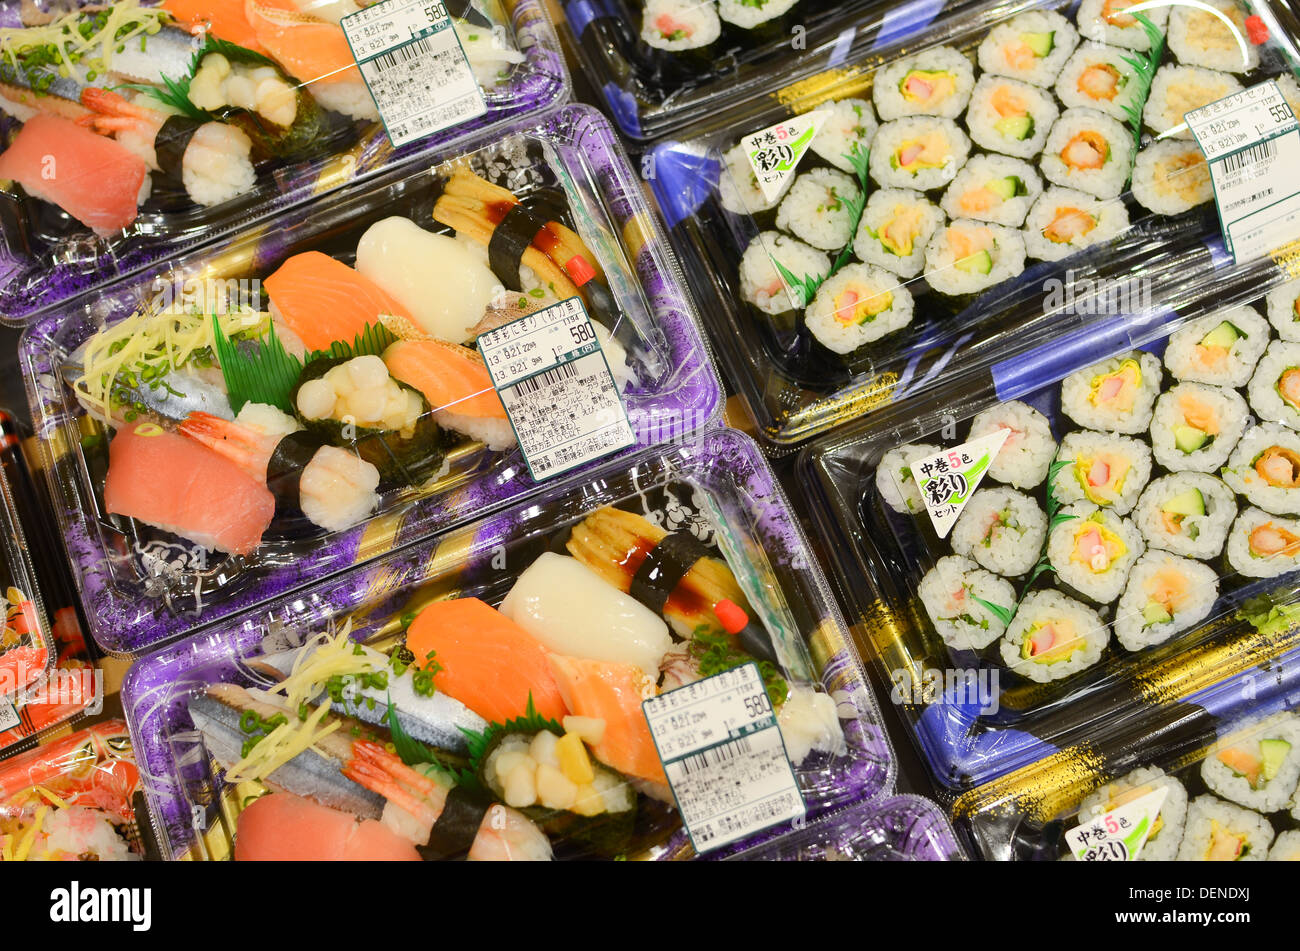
{"x":92,"y":178}
{"x":458,"y":387}
{"x":180,"y":486}
{"x":322,"y":300}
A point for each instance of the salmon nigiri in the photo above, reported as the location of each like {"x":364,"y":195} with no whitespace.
{"x":89,"y":176}
{"x":323,"y":300}
{"x":456,"y":383}
{"x":613,"y":693}
{"x":180,"y":486}
{"x":487,"y":662}
{"x":223,"y":19}
{"x":310,"y":48}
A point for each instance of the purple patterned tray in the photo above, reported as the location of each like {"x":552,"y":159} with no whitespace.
{"x":38,"y":275}
{"x":139,"y":594}
{"x":717,"y":485}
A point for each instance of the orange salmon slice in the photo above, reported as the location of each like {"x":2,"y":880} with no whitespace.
{"x":323,"y":300}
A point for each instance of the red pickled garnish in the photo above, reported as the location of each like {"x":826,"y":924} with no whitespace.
{"x":1256,"y":29}
{"x":579,"y":269}
{"x":731,"y":616}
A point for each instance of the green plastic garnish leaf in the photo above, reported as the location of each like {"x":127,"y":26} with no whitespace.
{"x":716,"y":653}
{"x":1144,"y":71}
{"x":373,"y":340}
{"x":1002,"y":614}
{"x":266,"y":375}
{"x":480,"y":742}
{"x":410,"y":750}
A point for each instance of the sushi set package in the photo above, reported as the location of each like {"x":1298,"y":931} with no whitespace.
{"x":1212,"y":780}
{"x":325,"y":398}
{"x":28,"y":651}
{"x":938,"y":199}
{"x":1038,"y":555}
{"x":482,"y":696}
{"x":661,"y":64}
{"x":72,"y":800}
{"x":133,"y":130}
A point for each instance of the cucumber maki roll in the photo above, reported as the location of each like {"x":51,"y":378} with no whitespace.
{"x":1188,"y":513}
{"x":1093,"y":551}
{"x":1262,"y":545}
{"x":895,"y":228}
{"x":1088,"y":151}
{"x":1275,"y":388}
{"x":1177,"y":90}
{"x":920,"y":152}
{"x":1104,"y":469}
{"x":1217,"y":831}
{"x":956,"y":594}
{"x":993,"y":188}
{"x":677,"y":26}
{"x":1257,"y":767}
{"x":1116,"y":395}
{"x":1053,"y":636}
{"x":1106,"y":22}
{"x":818,"y":209}
{"x":1064,"y":221}
{"x":1200,"y":38}
{"x":1196,"y":425}
{"x":1284,"y":311}
{"x":859,"y":304}
{"x":847,"y":132}
{"x":1002,"y":530}
{"x":1221,"y":348}
{"x":1171,"y":177}
{"x":1010,"y":117}
{"x":1167,"y":826}
{"x":1027,"y":452}
{"x":1166,"y":595}
{"x":1265,"y":468}
{"x":894,"y":479}
{"x":970,"y":256}
{"x":356,"y":404}
{"x":1031,"y":47}
{"x":1100,"y":77}
{"x":937,"y":82}
{"x":761,"y":280}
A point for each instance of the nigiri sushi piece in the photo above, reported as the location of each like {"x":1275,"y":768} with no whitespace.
{"x":92,"y":178}
{"x":572,"y":610}
{"x":442,"y":282}
{"x":458,"y":387}
{"x":282,"y":827}
{"x":322,"y":300}
{"x":223,"y":19}
{"x":612,"y":693}
{"x":484,"y":660}
{"x":174,"y":483}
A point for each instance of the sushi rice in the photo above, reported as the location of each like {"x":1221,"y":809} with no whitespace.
{"x":1261,"y":545}
{"x":920,"y":152}
{"x":1104,"y":468}
{"x":1284,"y":311}
{"x":1257,"y":767}
{"x":1219,"y":831}
{"x":1093,"y":551}
{"x":1032,"y":47}
{"x":1088,"y":151}
{"x":936,"y":82}
{"x":1221,"y":348}
{"x":970,"y":256}
{"x":1265,"y":468}
{"x":951,"y":593}
{"x":1177,"y":90}
{"x":1171,"y":177}
{"x":894,"y":479}
{"x":1002,"y":530}
{"x":1167,"y":827}
{"x":1099,"y":77}
{"x":678,"y":25}
{"x":817,"y":209}
{"x":1166,"y":595}
{"x":1053,"y":636}
{"x":1011,"y":117}
{"x":1196,"y":426}
{"x":1104,"y":21}
{"x":857,"y":305}
{"x":1187,"y":513}
{"x":993,"y":188}
{"x":846,"y":132}
{"x":1064,"y":221}
{"x":738,"y":187}
{"x":762,"y":284}
{"x":895,"y":228}
{"x":1286,"y":847}
{"x":1199,"y":38}
{"x":748,"y":14}
{"x":1275,"y":388}
{"x":1027,"y":452}
{"x":1116,"y":395}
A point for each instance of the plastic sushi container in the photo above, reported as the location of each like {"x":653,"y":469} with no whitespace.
{"x":710,"y":502}
{"x":72,"y":799}
{"x":1133,"y":584}
{"x":1225,"y":761}
{"x":279,"y":116}
{"x":944,"y":195}
{"x":431,"y":467}
{"x":715,"y":55}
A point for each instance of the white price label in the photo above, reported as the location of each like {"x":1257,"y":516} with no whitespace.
{"x":8,"y":716}
{"x":414,"y":66}
{"x":558,"y":391}
{"x":1251,"y":141}
{"x":949,"y":478}
{"x":1118,"y":835}
{"x":724,"y":756}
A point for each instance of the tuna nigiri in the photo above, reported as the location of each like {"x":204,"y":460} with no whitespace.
{"x":456,"y":383}
{"x":282,"y":827}
{"x":176,"y":484}
{"x":92,"y":178}
{"x":487,"y":662}
{"x":322,"y":300}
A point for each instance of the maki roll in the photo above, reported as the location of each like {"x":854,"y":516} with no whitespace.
{"x":1262,"y":545}
{"x":1286,"y":847}
{"x":1053,"y":636}
{"x":1259,"y":767}
{"x":1177,"y":90}
{"x":1011,"y":117}
{"x":1100,"y":77}
{"x":957,"y":595}
{"x":1104,"y":469}
{"x":936,"y":82}
{"x":1200,"y":38}
{"x":761,"y":280}
{"x":1222,"y":348}
{"x":1167,"y":826}
{"x":1093,"y":551}
{"x":859,"y":304}
{"x":1027,"y":452}
{"x":1275,"y":388}
{"x":1265,"y":468}
{"x":921,"y":153}
{"x":818,"y":208}
{"x":1171,"y":177}
{"x":738,"y":187}
{"x":1031,"y":47}
{"x":1105,"y":21}
{"x":1217,"y":831}
{"x":752,"y":14}
{"x":1166,"y":595}
{"x":1002,"y":530}
{"x":896,"y":225}
{"x":676,"y":26}
{"x":1088,"y":151}
{"x":894,"y":479}
{"x":847,"y":132}
{"x":1116,"y":395}
{"x":1064,"y":221}
{"x":993,"y":188}
{"x":1195,"y":426}
{"x":1188,"y":513}
{"x":969,"y":256}
{"x":1284,"y":311}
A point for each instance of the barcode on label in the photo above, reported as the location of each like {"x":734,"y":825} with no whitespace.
{"x":402,"y":55}
{"x":550,"y":378}
{"x":710,"y":758}
{"x":1256,"y":153}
